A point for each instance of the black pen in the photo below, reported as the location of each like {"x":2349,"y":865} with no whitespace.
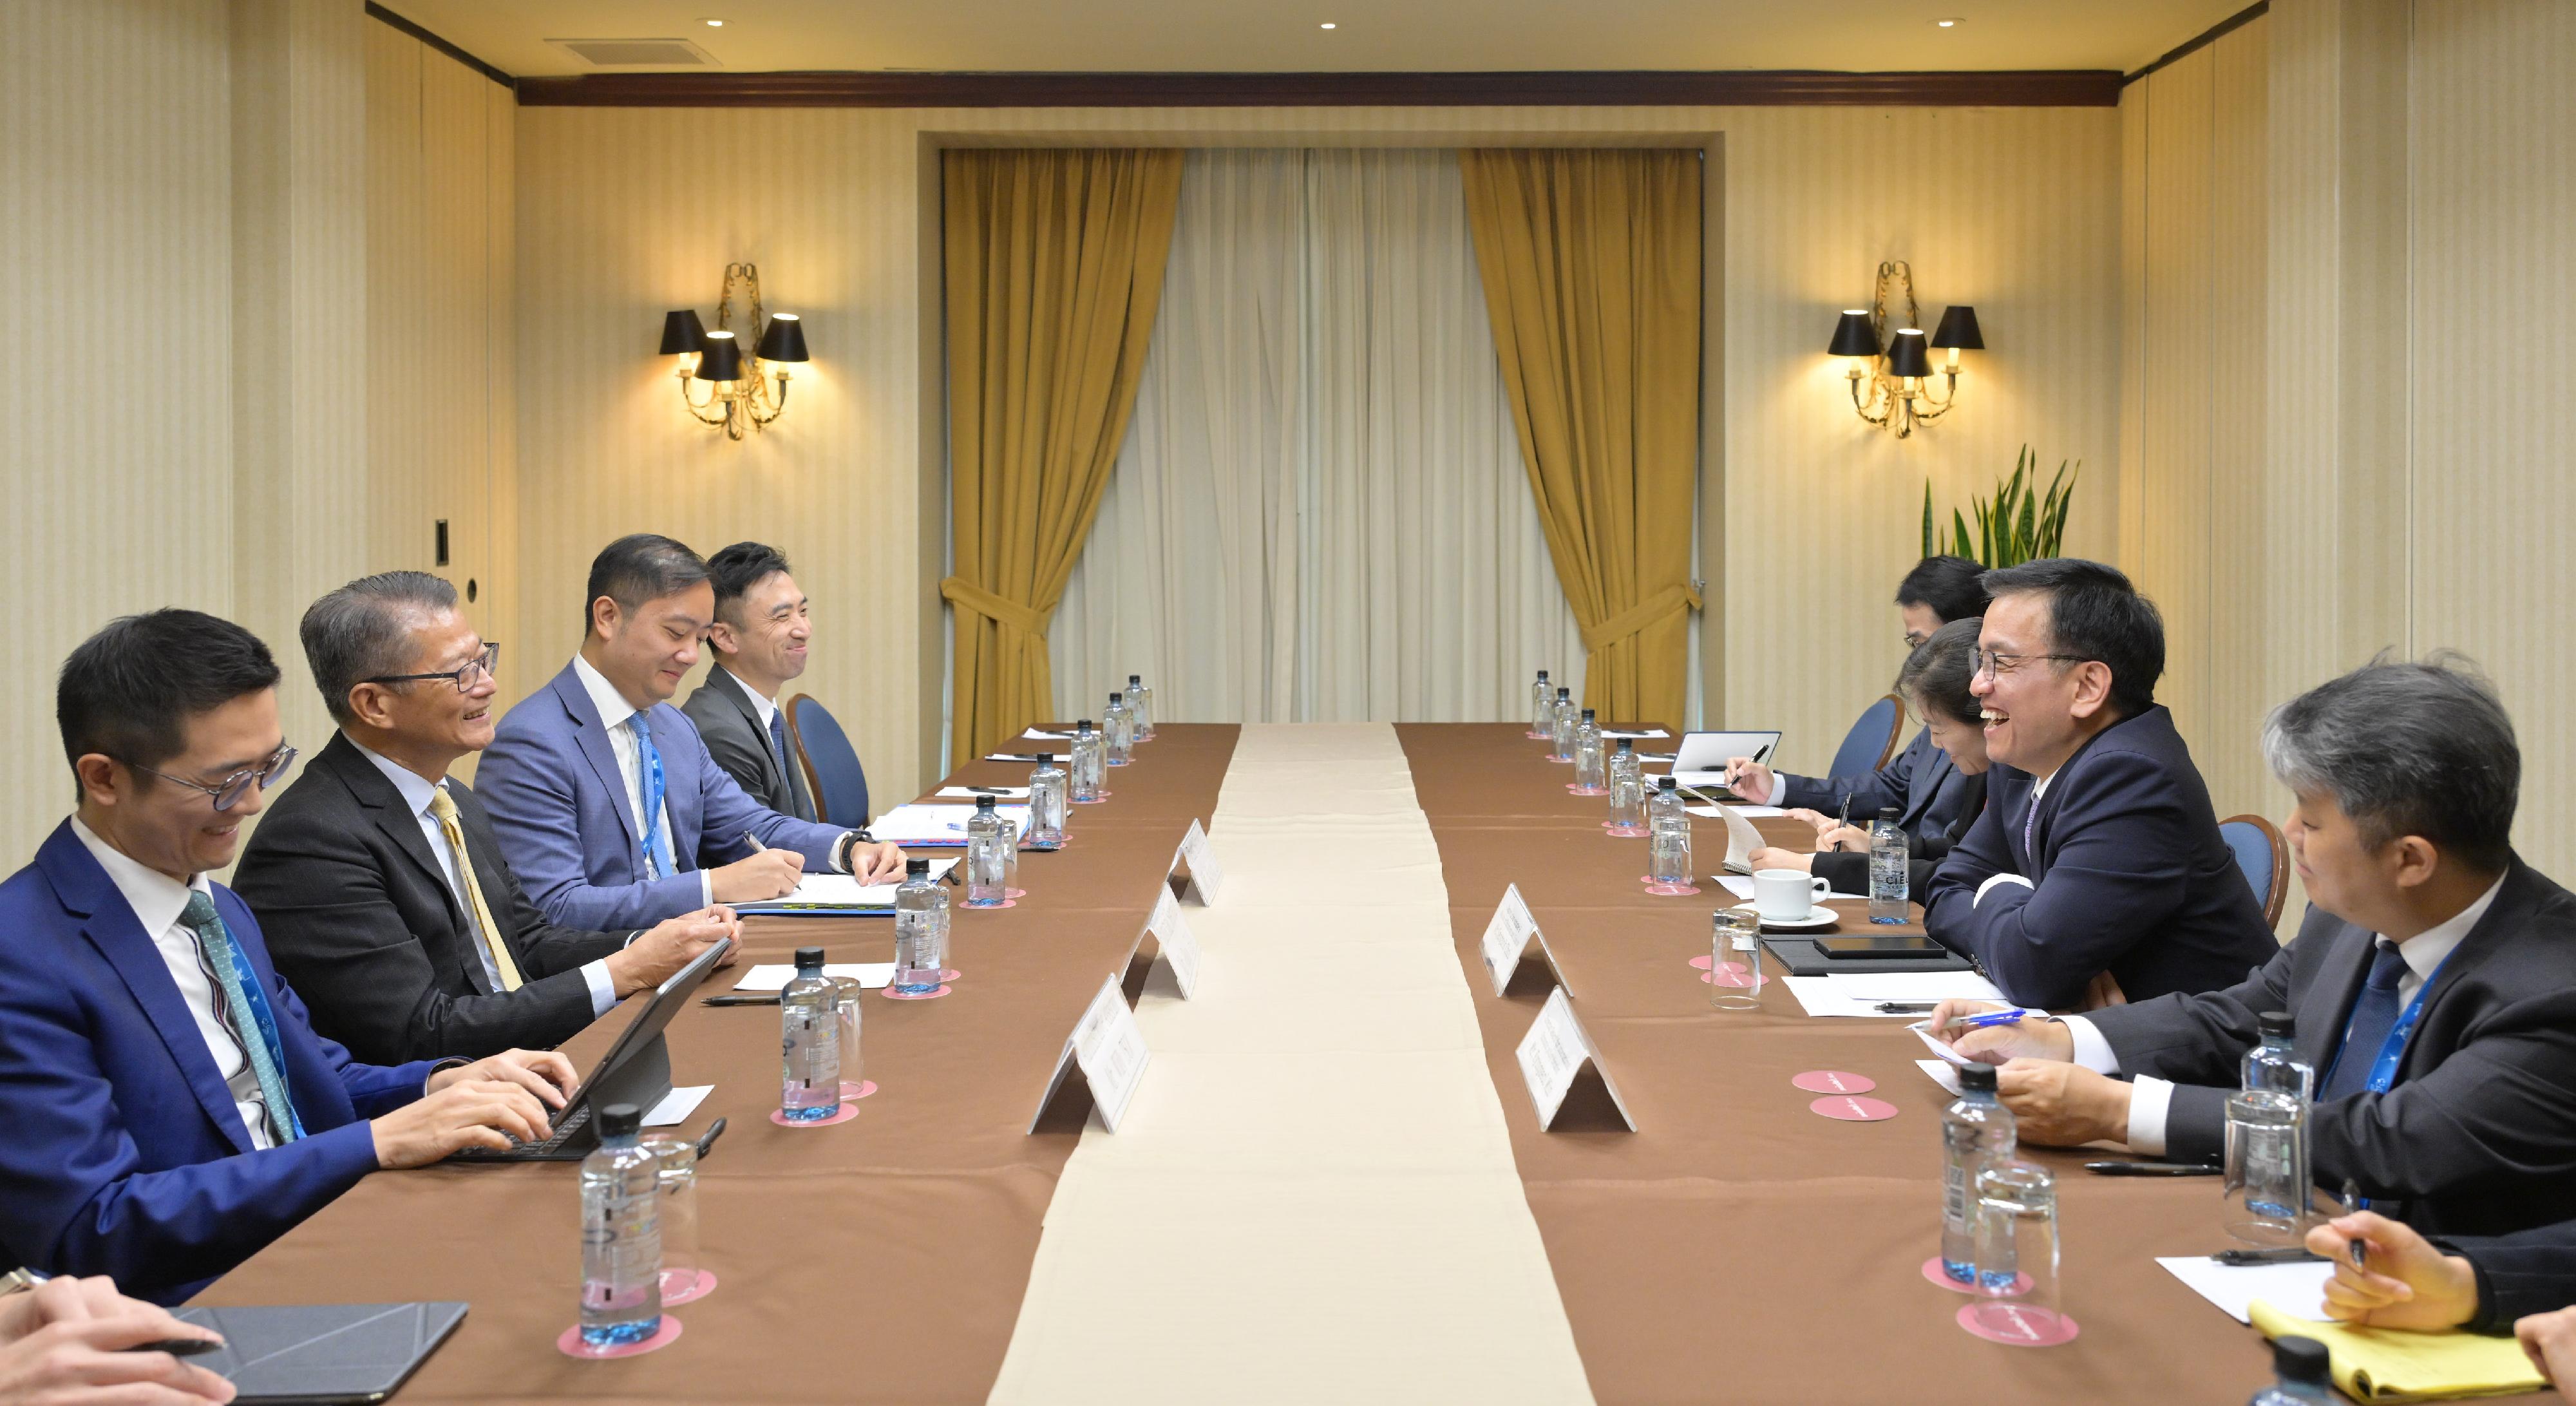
{"x":1908,"y":1007}
{"x":2352,"y":1203}
{"x":707,"y":1139}
{"x":2279,"y":1254}
{"x":2151,"y":1169}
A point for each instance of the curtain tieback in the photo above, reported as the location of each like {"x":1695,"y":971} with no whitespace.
{"x":1627,"y":623}
{"x":1000,"y":611}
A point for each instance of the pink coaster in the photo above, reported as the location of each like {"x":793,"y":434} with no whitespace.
{"x":1702,"y":963}
{"x":571,"y":1345}
{"x":1624,"y":832}
{"x":1847,"y":1109}
{"x":859,"y":1090}
{"x":1737,"y":977}
{"x":2016,"y":1325}
{"x":1940,"y":1277}
{"x":1015,"y":894}
{"x":781,"y":1119}
{"x":701,"y":1282}
{"x":1587,"y":790}
{"x":1540,"y":736}
{"x":988,"y":907}
{"x":893,"y":995}
{"x":1834,"y":1081}
{"x":949,"y":974}
{"x":1666,"y":890}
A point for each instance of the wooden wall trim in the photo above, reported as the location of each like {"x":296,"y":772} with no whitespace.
{"x":2204,"y":39}
{"x":1654,"y":88}
{"x":379,"y":12}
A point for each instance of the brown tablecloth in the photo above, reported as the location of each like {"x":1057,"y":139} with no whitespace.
{"x":882,"y":1260}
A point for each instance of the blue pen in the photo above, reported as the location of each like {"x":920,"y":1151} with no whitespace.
{"x":1986,"y":1018}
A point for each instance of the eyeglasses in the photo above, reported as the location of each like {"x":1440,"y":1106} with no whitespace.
{"x":474,"y":671}
{"x":231,"y":789}
{"x":1914,"y":639}
{"x":1990,"y":662}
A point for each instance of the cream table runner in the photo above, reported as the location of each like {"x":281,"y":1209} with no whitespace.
{"x":1312,"y":1197}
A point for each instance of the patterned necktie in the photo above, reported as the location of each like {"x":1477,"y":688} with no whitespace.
{"x":443,"y":806}
{"x":246,"y":1011}
{"x":2373,"y":1016}
{"x":648,"y":761}
{"x":2029,"y":819}
{"x":787,"y":769}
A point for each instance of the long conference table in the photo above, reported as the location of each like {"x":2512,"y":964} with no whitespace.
{"x":1734,"y":1247}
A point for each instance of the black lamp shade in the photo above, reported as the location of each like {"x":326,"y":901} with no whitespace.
{"x":682,"y":332}
{"x":784,"y":340}
{"x":1905,"y":355}
{"x":722,"y":360}
{"x":1959,"y":329}
{"x":1853,"y":336}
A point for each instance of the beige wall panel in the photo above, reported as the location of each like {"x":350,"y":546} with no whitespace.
{"x":2014,"y":210}
{"x":2134,"y":102}
{"x":116,"y":224}
{"x":399,"y":414}
{"x":2173,"y":527}
{"x":2494,"y":142}
{"x":495,"y":609}
{"x":2236,"y":691}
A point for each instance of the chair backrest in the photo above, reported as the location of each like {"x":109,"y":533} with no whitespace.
{"x":832,"y":770}
{"x":1872,"y":740}
{"x":2264,"y":857}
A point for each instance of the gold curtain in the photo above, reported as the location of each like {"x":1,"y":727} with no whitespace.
{"x":1054,"y":265}
{"x":1591,"y":264}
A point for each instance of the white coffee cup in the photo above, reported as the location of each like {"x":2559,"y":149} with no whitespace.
{"x":1787,"y":895}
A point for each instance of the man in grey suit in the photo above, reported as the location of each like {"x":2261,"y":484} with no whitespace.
{"x":761,"y":631}
{"x":2433,"y":984}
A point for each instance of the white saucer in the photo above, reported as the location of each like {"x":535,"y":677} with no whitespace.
{"x":1819,"y":917}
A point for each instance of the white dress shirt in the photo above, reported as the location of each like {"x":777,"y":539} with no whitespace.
{"x":614,"y":710}
{"x":157,"y":901}
{"x":2151,"y":1098}
{"x":416,"y":792}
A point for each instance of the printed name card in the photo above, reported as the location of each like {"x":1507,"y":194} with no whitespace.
{"x":1108,"y":1049}
{"x":1172,"y":934}
{"x":1205,"y":876}
{"x":1508,"y":939}
{"x":1555,"y":1053}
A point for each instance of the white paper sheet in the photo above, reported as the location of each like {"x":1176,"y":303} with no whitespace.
{"x":2297,"y":1288}
{"x":677,"y":1105}
{"x":1740,"y":887}
{"x":774,"y":976}
{"x":841,"y":890}
{"x":1818,"y":995}
{"x":1941,"y":1052}
{"x":1006,"y":793}
{"x":1048,"y":736}
{"x":936,"y":822}
{"x":1640,"y":734}
{"x":1914,"y":986}
{"x":1941,"y":1074}
{"x":1010,"y":756}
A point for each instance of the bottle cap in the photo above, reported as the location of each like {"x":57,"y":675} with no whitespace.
{"x":915,"y":868}
{"x":626,"y":1120}
{"x":983,"y":804}
{"x":1889,"y":812}
{"x":2302,"y":1360}
{"x":1116,"y":698}
{"x":1135,"y":679}
{"x":1542,"y":676}
{"x":1563,"y":694}
{"x":1083,"y":726}
{"x":809,"y":959}
{"x":1665,"y":783}
{"x":1980,"y":1077}
{"x":1587,"y":715}
{"x":1046,"y":759}
{"x":2275,"y":1023}
{"x":1627,"y":744}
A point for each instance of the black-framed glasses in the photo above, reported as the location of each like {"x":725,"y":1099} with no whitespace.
{"x":1991,"y":662}
{"x":1914,"y":640}
{"x":472,"y":672}
{"x":231,"y":789}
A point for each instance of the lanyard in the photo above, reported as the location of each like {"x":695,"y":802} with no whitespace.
{"x":2383,"y":1069}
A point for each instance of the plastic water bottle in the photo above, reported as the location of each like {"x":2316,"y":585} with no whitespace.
{"x":2303,"y":1372}
{"x":1140,"y":701}
{"x":1976,"y":1132}
{"x":1887,"y":865}
{"x":920,"y":931}
{"x":1588,"y":771}
{"x":1046,"y":802}
{"x":1089,"y":783}
{"x":1560,"y":729}
{"x":1118,"y":731}
{"x":1665,"y":800}
{"x":987,"y":856}
{"x":1542,"y":707}
{"x":810,"y":1042}
{"x":1627,"y":791}
{"x":2274,"y":1067}
{"x":621,"y":1233}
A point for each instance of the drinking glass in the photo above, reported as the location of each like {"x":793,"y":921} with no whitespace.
{"x":2017,"y":1255}
{"x":2265,"y":1201}
{"x":676,"y":1177}
{"x":1735,"y":961}
{"x":846,"y":998}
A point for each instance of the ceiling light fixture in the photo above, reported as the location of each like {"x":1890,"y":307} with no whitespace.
{"x":1328,"y":24}
{"x":1945,"y":24}
{"x":715,"y":24}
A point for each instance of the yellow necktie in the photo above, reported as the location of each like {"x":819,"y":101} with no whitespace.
{"x":443,"y":806}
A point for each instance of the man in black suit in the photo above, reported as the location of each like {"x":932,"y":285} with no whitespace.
{"x":2433,"y":984}
{"x":2097,"y":870}
{"x":386,"y":899}
{"x":762,"y":628}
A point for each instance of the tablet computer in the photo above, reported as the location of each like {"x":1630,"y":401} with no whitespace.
{"x":317,"y":1353}
{"x":1701,"y":758}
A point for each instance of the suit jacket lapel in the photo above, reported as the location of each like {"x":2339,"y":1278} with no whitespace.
{"x":591,"y":735}
{"x":110,"y":926}
{"x":2328,"y":1005}
{"x":2503,"y":918}
{"x":738,"y":694}
{"x":384,"y":805}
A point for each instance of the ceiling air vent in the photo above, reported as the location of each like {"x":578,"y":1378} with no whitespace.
{"x":637,"y":53}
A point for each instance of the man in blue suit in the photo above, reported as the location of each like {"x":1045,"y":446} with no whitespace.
{"x":2097,"y":871}
{"x":607,"y":802}
{"x":168,"y":1109}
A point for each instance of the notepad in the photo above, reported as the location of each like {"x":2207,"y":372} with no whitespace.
{"x":2391,"y":1364}
{"x":774,"y":976}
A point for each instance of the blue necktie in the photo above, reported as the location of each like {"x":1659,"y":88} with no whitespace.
{"x":2373,"y":1016}
{"x":648,"y":761}
{"x":246,"y":1011}
{"x":2030,"y":818}
{"x":778,"y":745}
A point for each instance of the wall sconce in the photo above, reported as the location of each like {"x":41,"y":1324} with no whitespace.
{"x":743,"y":393}
{"x":1899,"y":373}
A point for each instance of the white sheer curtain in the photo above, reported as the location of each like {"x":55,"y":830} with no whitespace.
{"x":1320,"y":513}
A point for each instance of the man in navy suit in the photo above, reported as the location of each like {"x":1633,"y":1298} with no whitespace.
{"x":2097,"y":871}
{"x":168,"y":1109}
{"x":609,"y":807}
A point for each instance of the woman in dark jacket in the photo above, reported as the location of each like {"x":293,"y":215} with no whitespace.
{"x":1934,"y":683}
